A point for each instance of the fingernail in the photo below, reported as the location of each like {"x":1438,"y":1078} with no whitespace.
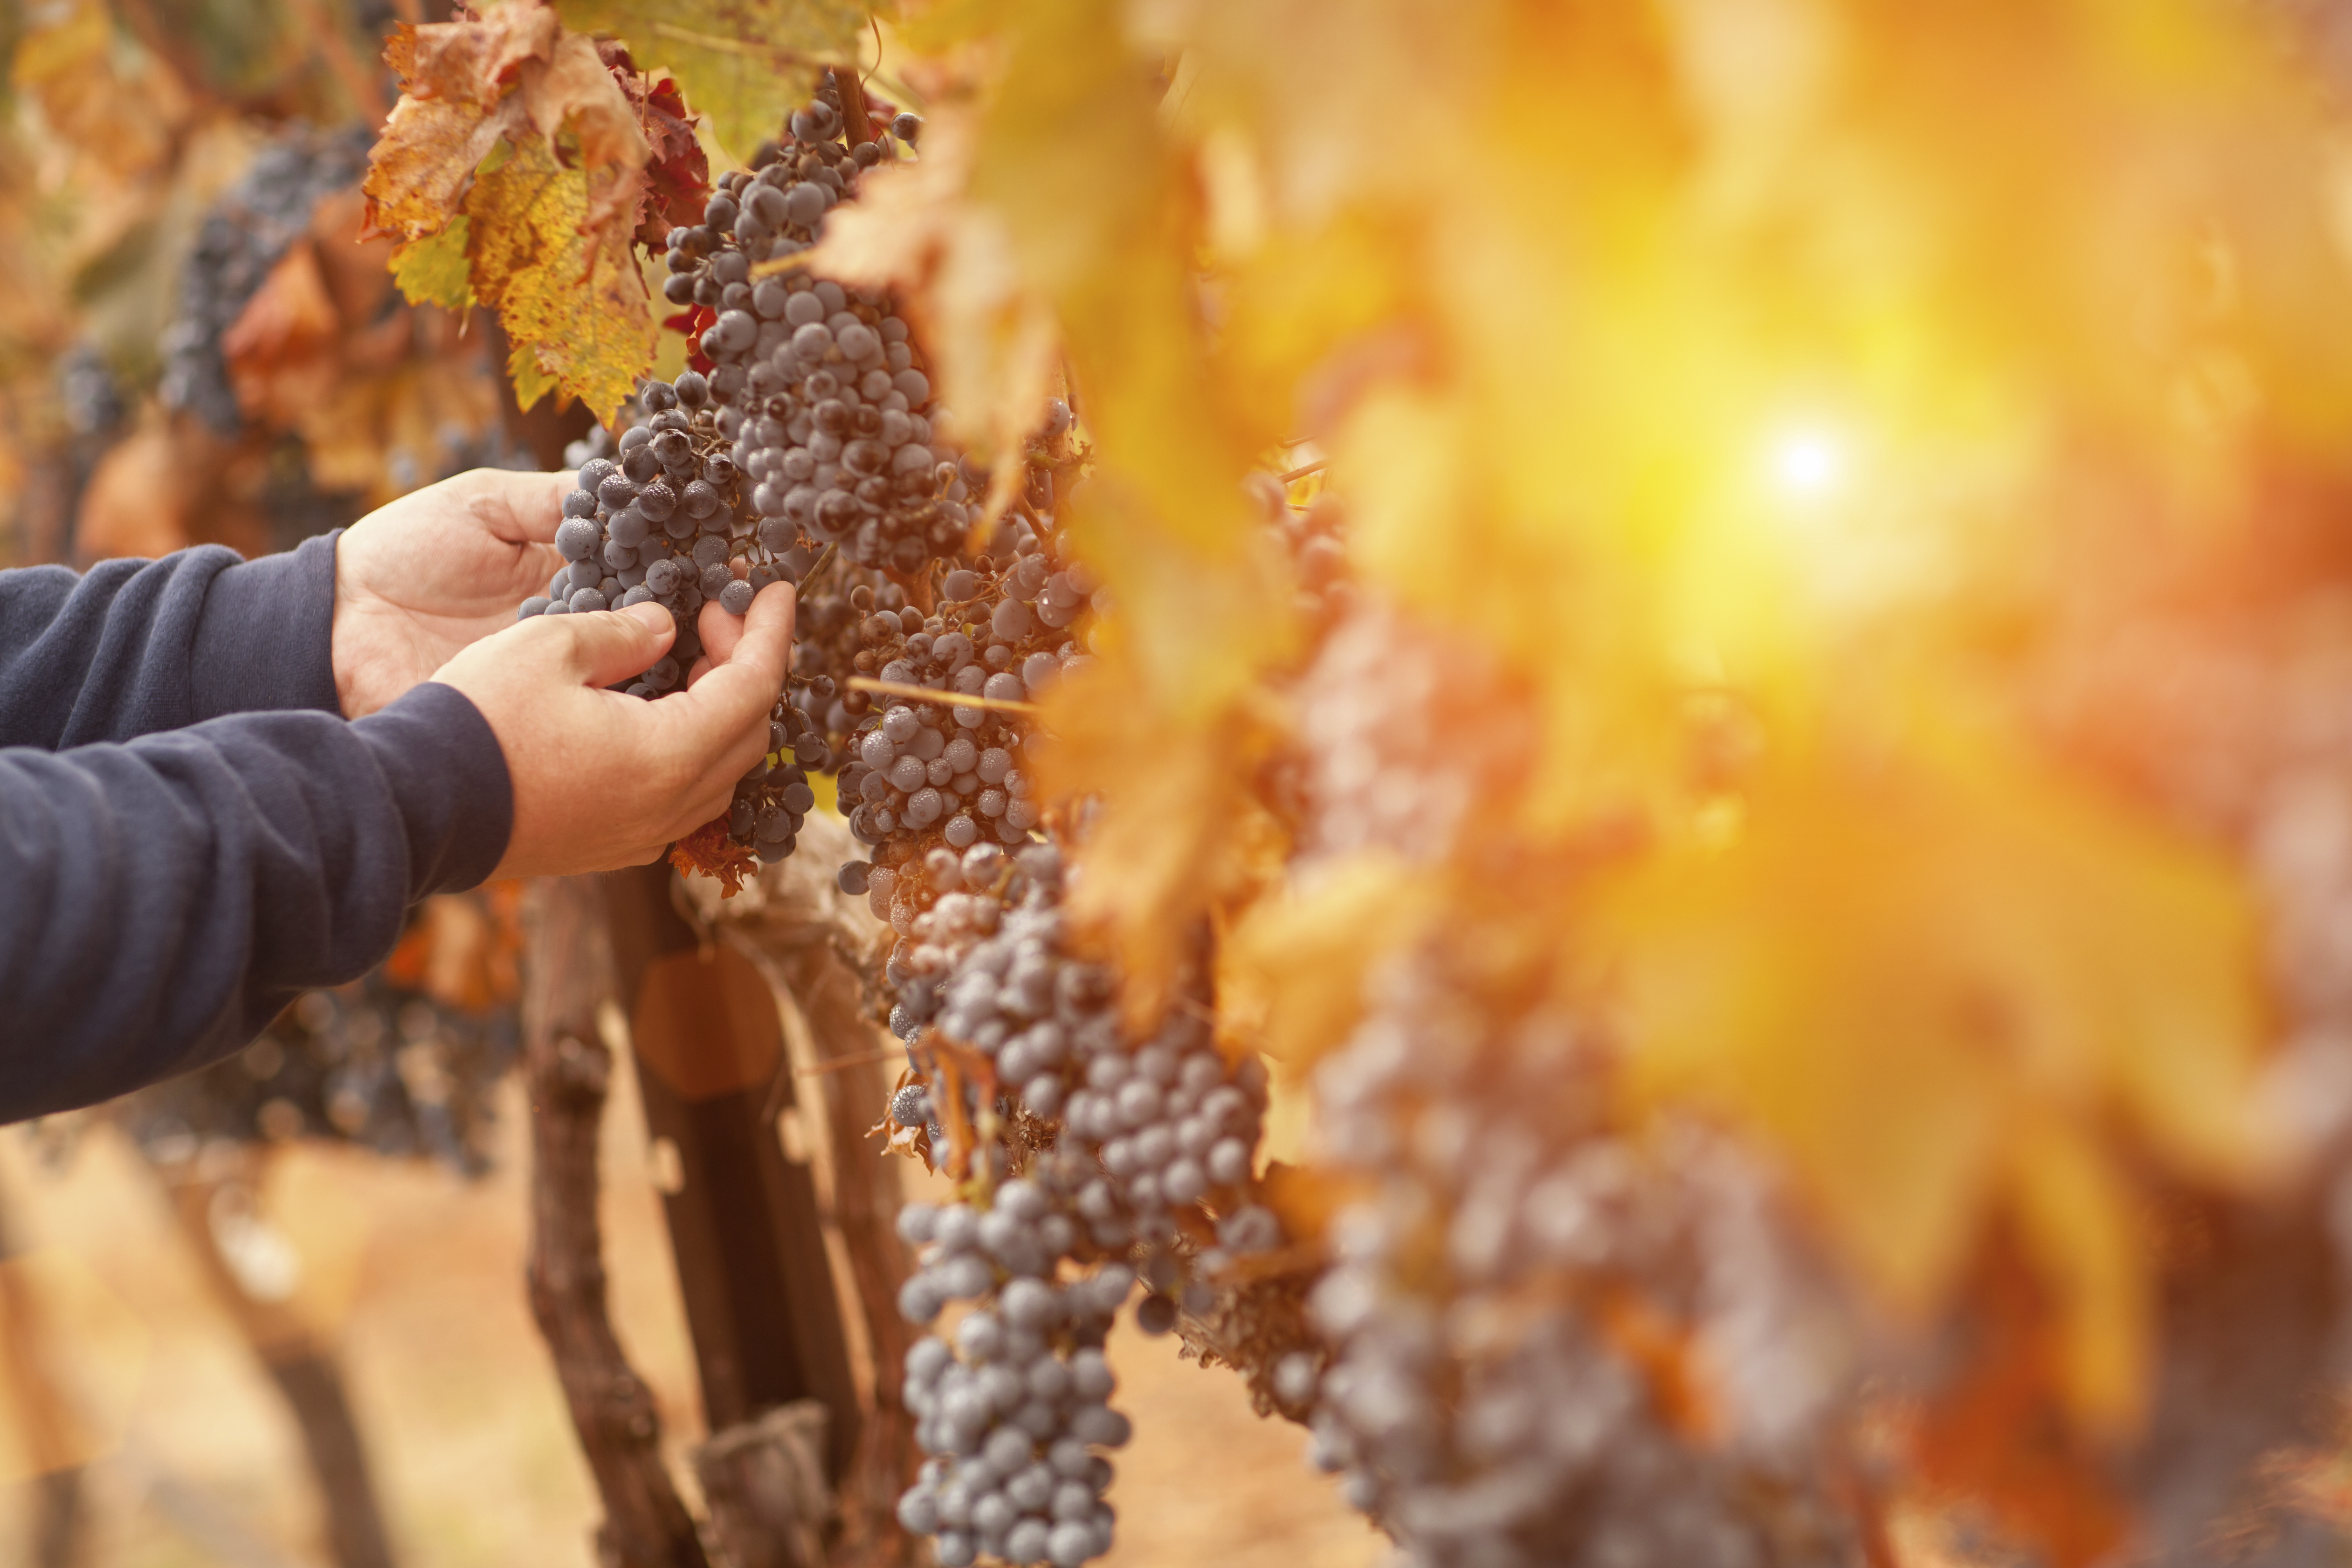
{"x":654,"y":617}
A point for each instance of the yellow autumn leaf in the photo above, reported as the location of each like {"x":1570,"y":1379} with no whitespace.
{"x":1894,"y":968}
{"x":570,"y":298}
{"x":1292,"y":971}
{"x":436,"y":269}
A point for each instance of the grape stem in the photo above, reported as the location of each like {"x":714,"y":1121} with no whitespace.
{"x":925,"y":695}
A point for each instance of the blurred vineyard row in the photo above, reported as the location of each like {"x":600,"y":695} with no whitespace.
{"x":195,"y":344}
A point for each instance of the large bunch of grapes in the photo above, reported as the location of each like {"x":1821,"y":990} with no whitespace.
{"x":1088,"y":1155}
{"x":809,"y":442}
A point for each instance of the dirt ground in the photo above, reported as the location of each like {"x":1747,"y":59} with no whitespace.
{"x":416,"y":1276}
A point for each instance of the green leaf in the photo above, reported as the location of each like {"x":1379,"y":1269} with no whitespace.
{"x":746,"y":64}
{"x":434,"y":270}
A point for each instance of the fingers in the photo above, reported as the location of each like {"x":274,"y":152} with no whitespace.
{"x":518,"y":507}
{"x":610,"y":645}
{"x":719,"y":630}
{"x":723,"y":714}
{"x":767,"y":637}
{"x":723,"y":634}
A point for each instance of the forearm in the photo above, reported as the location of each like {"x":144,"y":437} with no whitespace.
{"x":132,"y":648}
{"x":161,"y":900}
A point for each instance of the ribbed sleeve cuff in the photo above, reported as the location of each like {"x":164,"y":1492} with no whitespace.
{"x":449,"y":780}
{"x":266,"y":638}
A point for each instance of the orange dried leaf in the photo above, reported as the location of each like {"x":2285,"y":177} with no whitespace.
{"x":423,"y":161}
{"x":1997,"y":1432}
{"x":283,"y":349}
{"x":710,"y":852}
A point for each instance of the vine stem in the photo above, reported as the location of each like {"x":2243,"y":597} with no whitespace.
{"x":568,"y":1071}
{"x":925,"y":695}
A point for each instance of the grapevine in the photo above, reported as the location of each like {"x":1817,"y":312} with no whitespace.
{"x":1631,"y":755}
{"x":808,"y":453}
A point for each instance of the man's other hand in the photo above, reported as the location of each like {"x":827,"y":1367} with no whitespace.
{"x":436,"y":571}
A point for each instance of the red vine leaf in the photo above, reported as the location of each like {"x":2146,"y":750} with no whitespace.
{"x":677,"y":171}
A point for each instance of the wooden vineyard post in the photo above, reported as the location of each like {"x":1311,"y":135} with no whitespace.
{"x":714,"y":1074}
{"x":822,"y":951}
{"x":567,"y":1068}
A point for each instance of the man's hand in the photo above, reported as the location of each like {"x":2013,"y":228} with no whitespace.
{"x":602,"y":780}
{"x":434,"y":572}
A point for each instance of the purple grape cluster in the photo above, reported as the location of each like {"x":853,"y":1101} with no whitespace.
{"x":1147,"y":1130}
{"x":915,"y":766}
{"x":244,"y":234}
{"x":370,"y":1064}
{"x":824,"y":387}
{"x":1475,"y":1398}
{"x":811,"y":437}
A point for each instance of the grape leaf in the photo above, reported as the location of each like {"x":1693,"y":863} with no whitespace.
{"x":1928,"y":987}
{"x":434,"y":270}
{"x":568,"y":294}
{"x":284,"y":349}
{"x":1075,"y":199}
{"x":708,"y":851}
{"x":677,"y":171}
{"x":746,"y":64}
{"x":1292,"y":974}
{"x":522,"y":127}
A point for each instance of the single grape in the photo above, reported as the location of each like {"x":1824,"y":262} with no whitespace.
{"x":575,"y":537}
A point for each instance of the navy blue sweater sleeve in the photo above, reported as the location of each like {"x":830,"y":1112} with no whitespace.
{"x":134,"y":647}
{"x":160,"y":899}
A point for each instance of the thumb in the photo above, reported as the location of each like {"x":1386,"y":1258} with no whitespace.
{"x":608,"y":645}
{"x":732,"y":694}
